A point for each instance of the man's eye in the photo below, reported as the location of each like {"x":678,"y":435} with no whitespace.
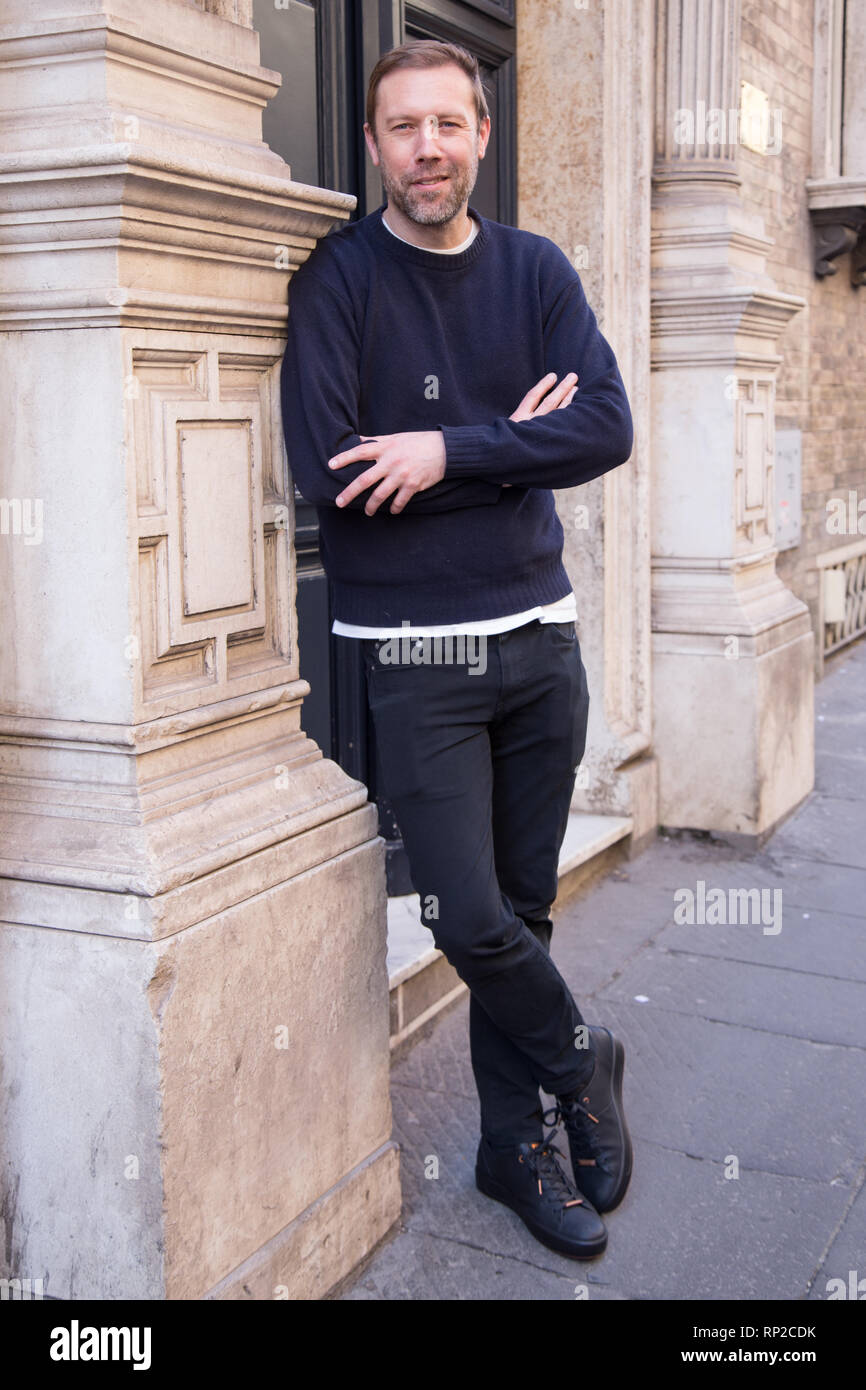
{"x":404,"y":125}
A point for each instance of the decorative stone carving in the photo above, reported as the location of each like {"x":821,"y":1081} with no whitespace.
{"x":839,"y":220}
{"x":697,"y":71}
{"x":216,"y":565}
{"x":729,"y":639}
{"x":754,"y":515}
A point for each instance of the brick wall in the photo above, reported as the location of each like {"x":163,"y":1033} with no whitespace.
{"x":820,"y":386}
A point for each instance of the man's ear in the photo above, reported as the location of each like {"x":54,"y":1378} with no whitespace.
{"x":371,"y":143}
{"x":483,"y":137}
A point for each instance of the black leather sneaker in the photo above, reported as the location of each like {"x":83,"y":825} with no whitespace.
{"x":594,"y":1121}
{"x":530,"y":1180}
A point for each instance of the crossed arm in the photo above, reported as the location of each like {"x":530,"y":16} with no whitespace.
{"x":412,"y":461}
{"x":542,"y":444}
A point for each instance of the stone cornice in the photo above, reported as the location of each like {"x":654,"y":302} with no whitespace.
{"x":717,"y":317}
{"x":133,"y":825}
{"x":150,"y":734}
{"x":102,"y":208}
{"x":718,"y":237}
{"x":230,"y":191}
{"x":692,"y":601}
{"x":123,"y":41}
{"x":841,"y":192}
{"x":123,"y":308}
{"x":151,"y":857}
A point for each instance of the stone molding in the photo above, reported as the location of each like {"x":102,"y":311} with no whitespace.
{"x":110,"y":213}
{"x":696,"y":68}
{"x":133,"y":153}
{"x":628,"y":38}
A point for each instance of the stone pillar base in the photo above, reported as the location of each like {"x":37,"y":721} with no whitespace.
{"x":733,"y":691}
{"x":641,"y":778}
{"x":323,"y":1245}
{"x":178,"y":1110}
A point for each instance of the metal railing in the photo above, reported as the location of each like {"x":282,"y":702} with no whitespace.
{"x":842,"y":597}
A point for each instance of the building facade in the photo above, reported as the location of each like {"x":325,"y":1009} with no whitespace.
{"x":196,"y":863}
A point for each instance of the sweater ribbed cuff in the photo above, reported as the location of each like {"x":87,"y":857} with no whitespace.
{"x":465,"y":449}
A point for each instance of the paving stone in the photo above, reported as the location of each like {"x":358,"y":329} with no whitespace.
{"x":820,"y":1007}
{"x":814,"y":885}
{"x":422,"y":1267}
{"x":843,"y":735}
{"x":439,"y":1061}
{"x":817,"y":943}
{"x":825,"y":829}
{"x":684,"y":1231}
{"x":592,"y":938}
{"x":781,"y":1104}
{"x":842,"y":776}
{"x":846,"y":1257}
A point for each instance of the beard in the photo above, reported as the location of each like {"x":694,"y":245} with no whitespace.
{"x":431,"y":207}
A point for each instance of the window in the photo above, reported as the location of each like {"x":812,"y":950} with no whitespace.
{"x":837,"y":189}
{"x":290,"y":123}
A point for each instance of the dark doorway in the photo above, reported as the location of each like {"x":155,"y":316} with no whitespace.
{"x":325,"y":51}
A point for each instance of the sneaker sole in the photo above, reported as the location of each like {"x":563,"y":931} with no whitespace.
{"x":585,"y":1250}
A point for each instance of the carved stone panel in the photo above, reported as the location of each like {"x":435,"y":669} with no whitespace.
{"x":213,"y":518}
{"x":217,"y":523}
{"x":754,"y":516}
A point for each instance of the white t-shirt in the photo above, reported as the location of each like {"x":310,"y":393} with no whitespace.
{"x":563,"y":610}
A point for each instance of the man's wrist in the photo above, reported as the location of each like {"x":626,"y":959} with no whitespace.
{"x":465,"y":447}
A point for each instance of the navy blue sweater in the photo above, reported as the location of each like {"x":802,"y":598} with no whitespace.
{"x":385,"y":337}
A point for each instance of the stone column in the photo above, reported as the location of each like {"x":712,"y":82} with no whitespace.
{"x":733,"y":649}
{"x":585,"y":102}
{"x":195,"y":1003}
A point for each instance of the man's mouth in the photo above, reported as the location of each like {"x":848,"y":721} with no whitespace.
{"x":431,"y":182}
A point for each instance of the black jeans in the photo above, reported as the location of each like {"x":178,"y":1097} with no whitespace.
{"x":479,"y":766}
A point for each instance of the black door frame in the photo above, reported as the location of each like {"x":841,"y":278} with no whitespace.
{"x":350,"y":36}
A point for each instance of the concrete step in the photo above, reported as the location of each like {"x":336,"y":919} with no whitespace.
{"x":421,"y":980}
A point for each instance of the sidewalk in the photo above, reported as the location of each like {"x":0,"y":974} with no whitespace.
{"x":741,"y":1043}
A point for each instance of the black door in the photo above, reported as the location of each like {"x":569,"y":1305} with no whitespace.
{"x":325,"y":51}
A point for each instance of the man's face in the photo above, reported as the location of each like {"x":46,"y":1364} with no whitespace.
{"x":427,"y":143}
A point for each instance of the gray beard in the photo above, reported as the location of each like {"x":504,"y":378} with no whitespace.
{"x":415,"y":205}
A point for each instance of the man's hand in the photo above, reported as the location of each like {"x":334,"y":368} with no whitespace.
{"x":534,"y":404}
{"x":405,"y":463}
{"x":414,"y":460}
{"x":561,"y":396}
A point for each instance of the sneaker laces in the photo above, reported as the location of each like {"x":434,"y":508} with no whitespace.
{"x":544,"y":1163}
{"x":577,"y":1120}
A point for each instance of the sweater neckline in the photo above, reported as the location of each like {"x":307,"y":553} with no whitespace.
{"x":418,"y":255}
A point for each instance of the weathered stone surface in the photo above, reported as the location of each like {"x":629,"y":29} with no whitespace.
{"x":183,"y":874}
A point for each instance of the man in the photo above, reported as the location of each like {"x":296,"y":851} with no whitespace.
{"x":411,"y":334}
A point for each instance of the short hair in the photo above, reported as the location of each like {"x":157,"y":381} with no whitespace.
{"x":426,"y":53}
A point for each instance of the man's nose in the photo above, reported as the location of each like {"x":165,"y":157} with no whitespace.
{"x":428,"y":137}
